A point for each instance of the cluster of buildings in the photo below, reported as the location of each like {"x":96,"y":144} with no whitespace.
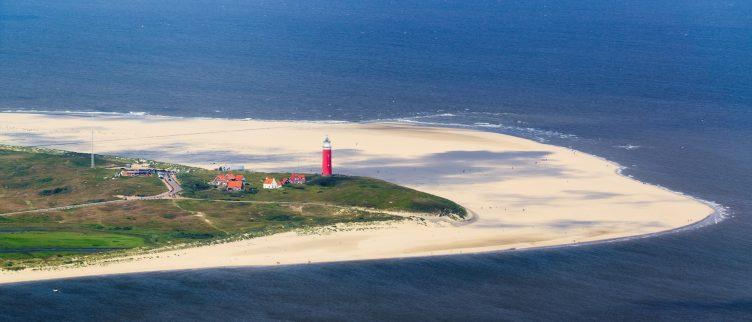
{"x":237,"y":182}
{"x":230,"y":167}
{"x":137,"y":172}
{"x":273,"y":183}
{"x":229,"y":181}
{"x":142,"y":170}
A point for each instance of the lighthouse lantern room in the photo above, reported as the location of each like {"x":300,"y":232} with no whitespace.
{"x":326,"y":157}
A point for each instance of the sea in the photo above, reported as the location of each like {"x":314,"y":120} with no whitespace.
{"x":664,"y":88}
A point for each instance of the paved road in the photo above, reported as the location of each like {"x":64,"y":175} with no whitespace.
{"x":171,"y":180}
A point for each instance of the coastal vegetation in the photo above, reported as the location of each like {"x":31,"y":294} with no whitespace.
{"x":34,"y":179}
{"x":55,"y":209}
{"x":335,"y":190}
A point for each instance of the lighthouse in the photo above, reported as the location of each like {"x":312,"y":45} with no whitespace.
{"x":326,"y":157}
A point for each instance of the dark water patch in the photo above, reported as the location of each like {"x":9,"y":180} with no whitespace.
{"x":590,"y":282}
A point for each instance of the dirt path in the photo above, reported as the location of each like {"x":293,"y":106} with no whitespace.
{"x":174,"y":189}
{"x":201,"y":216}
{"x":171,"y":182}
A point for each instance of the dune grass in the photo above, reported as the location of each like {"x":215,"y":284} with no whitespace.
{"x":336,"y":190}
{"x":35,"y":180}
{"x":38,"y":179}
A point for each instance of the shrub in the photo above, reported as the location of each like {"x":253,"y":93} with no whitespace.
{"x":328,"y":181}
{"x":282,"y":217}
{"x":192,"y":235}
{"x":54,"y":191}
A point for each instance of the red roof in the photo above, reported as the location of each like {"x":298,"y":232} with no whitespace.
{"x":297,"y":176}
{"x":268,"y":180}
{"x":227,"y":177}
{"x":235,"y":184}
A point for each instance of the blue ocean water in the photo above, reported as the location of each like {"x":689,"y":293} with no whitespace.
{"x":664,"y":88}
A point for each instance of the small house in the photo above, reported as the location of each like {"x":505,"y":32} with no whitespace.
{"x":235,"y":185}
{"x":296,"y":178}
{"x":271,"y":183}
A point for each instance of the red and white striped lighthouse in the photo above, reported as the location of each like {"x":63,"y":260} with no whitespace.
{"x":326,"y":157}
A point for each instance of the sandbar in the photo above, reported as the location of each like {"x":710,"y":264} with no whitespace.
{"x":521,"y":193}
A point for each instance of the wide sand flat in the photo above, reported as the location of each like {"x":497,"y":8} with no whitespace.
{"x":523,"y":193}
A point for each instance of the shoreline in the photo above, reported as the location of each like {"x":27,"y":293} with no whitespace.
{"x":489,"y":231}
{"x":718,"y":214}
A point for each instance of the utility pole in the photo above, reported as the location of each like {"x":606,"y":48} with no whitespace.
{"x":92,"y":148}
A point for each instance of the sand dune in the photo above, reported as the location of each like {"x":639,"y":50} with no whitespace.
{"x":523,"y":193}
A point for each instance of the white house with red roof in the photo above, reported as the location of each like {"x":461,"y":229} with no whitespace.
{"x":271,"y":183}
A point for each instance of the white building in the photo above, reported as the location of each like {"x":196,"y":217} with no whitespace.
{"x":231,"y":167}
{"x":271,"y":183}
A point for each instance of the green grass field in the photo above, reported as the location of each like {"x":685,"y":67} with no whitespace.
{"x":31,"y":179}
{"x":67,"y":240}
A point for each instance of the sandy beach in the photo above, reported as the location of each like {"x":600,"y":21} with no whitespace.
{"x":523,"y":193}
